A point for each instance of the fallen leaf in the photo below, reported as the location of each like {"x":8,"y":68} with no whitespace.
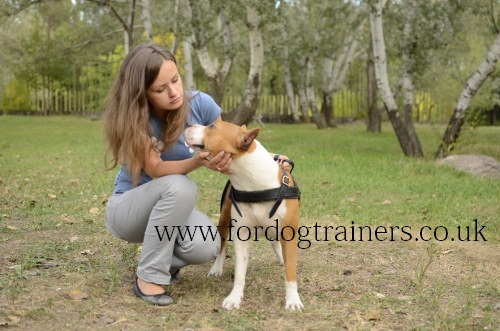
{"x":77,"y":295}
{"x":94,"y":211}
{"x":338,"y":287}
{"x":387,"y":202}
{"x":9,"y":320}
{"x":11,"y":227}
{"x":373,"y":315}
{"x":447,"y":251}
{"x":107,"y":319}
{"x":122,"y":319}
{"x":404,"y":297}
{"x":66,"y":219}
{"x":52,"y":196}
{"x":86,"y":252}
{"x":379,"y":295}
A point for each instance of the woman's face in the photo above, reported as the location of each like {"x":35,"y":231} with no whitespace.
{"x":166,"y":92}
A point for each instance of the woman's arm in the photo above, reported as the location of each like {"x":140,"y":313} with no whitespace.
{"x":155,"y":167}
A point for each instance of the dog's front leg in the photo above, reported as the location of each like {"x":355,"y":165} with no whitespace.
{"x":218,"y":264}
{"x":278,"y":251}
{"x":292,"y":298}
{"x":241,"y":252}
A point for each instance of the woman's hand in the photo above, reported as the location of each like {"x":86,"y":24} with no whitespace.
{"x":282,"y":160}
{"x":221,"y":162}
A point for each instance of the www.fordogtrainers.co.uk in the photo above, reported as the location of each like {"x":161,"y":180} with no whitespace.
{"x":305,"y":235}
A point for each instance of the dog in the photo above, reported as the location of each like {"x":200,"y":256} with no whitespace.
{"x":259,"y":192}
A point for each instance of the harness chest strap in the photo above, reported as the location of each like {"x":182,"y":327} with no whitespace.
{"x":283,"y":192}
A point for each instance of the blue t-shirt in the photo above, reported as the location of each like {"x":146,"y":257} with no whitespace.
{"x":204,"y":111}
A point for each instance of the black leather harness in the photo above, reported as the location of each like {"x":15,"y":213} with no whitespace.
{"x":285,"y":191}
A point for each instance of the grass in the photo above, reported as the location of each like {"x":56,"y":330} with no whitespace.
{"x":60,"y":269}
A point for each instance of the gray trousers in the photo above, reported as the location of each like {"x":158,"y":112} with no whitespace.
{"x":156,"y":211}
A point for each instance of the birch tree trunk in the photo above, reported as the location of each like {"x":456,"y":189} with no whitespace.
{"x":408,"y":86}
{"x":216,"y":77}
{"x":129,"y":28}
{"x":146,"y":16}
{"x":244,"y":112}
{"x":175,"y":42}
{"x":287,"y":77}
{"x":402,"y":133}
{"x":475,"y":81}
{"x":333,"y":78}
{"x":374,"y":114}
{"x":311,"y":95}
{"x":188,"y":64}
{"x":304,"y":109}
{"x":327,"y":104}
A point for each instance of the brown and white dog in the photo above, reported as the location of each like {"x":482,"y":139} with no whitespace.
{"x":254,"y":170}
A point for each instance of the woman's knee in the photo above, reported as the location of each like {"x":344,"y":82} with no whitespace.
{"x":180,"y":187}
{"x":198,"y":251}
{"x":203,"y":245}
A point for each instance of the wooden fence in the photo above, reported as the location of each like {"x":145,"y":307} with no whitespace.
{"x":347,"y":104}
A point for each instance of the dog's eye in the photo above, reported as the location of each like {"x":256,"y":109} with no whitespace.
{"x":211,"y":126}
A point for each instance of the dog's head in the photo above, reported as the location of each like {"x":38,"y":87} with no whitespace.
{"x":221,"y":136}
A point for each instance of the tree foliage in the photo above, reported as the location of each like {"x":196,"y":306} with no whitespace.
{"x":53,"y":46}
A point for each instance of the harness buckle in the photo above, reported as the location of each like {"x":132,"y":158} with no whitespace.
{"x":285,"y":180}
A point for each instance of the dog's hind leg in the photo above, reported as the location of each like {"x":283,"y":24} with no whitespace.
{"x":223,"y":228}
{"x":242,"y":252}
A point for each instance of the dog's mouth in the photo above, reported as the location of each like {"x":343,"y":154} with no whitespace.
{"x":196,"y":147}
{"x":199,"y":147}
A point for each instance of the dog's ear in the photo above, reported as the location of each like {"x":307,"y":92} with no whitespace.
{"x":248,"y":138}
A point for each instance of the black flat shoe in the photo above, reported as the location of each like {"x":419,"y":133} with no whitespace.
{"x":163,"y":299}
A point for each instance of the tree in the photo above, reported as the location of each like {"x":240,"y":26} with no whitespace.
{"x":127,"y":21}
{"x":475,"y":81}
{"x":201,"y":17}
{"x":245,"y":111}
{"x":341,"y":30}
{"x":374,"y":114}
{"x":406,"y":137}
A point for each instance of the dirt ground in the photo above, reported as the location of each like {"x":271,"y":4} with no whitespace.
{"x":344,"y":286}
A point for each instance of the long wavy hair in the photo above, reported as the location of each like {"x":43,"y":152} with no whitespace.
{"x":126,"y":119}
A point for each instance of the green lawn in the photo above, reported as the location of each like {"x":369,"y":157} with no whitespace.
{"x":54,"y":244}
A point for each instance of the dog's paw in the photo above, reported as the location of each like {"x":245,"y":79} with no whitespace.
{"x":293,"y":305}
{"x":231,"y":302}
{"x":214,"y":273}
{"x":293,"y":302}
{"x":217,"y":267}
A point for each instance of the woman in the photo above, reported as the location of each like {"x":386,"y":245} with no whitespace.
{"x":153,"y":199}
